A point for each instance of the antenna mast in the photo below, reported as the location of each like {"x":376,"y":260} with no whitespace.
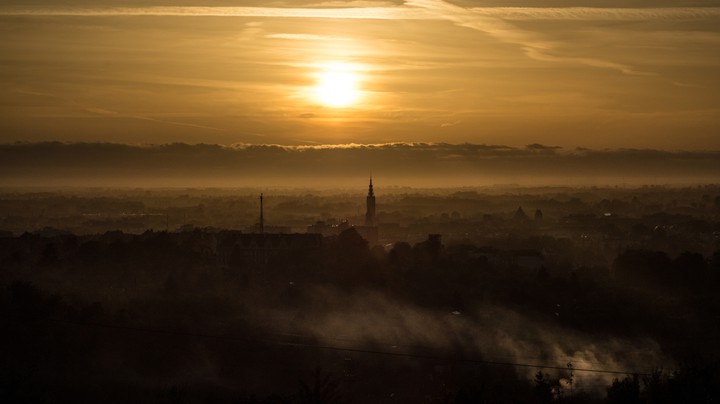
{"x":262,"y":220}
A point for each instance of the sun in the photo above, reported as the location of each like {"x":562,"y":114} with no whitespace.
{"x":337,"y":85}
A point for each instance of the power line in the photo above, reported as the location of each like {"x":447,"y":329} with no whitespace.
{"x":469,"y":360}
{"x":352,"y":350}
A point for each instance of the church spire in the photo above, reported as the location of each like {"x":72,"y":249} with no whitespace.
{"x":370,"y":204}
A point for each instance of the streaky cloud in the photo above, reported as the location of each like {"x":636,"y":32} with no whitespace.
{"x":412,"y":9}
{"x":105,"y":112}
{"x":384,"y":13}
{"x":307,"y":37}
{"x":598,"y":13}
{"x":533,"y":44}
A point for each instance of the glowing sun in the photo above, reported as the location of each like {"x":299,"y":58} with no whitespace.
{"x":337,"y":85}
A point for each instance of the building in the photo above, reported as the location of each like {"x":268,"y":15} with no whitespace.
{"x":263,"y":242}
{"x":258,"y":248}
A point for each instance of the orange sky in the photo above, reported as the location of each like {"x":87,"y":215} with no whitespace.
{"x":421,"y":70}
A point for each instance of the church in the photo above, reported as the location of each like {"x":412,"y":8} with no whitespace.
{"x":368,"y":231}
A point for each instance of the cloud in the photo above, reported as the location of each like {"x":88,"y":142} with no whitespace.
{"x":105,"y":112}
{"x":495,"y":21}
{"x":112,"y":113}
{"x":411,"y":9}
{"x":540,"y":147}
{"x":414,"y":164}
{"x":450,"y":124}
{"x":306,"y":37}
{"x":597,"y":13}
{"x":533,"y":44}
{"x":383,"y":13}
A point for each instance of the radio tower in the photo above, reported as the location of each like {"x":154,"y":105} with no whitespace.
{"x":262,"y":220}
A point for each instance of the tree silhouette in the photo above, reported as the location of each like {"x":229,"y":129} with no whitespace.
{"x":543,"y":391}
{"x":625,"y":391}
{"x":324,"y":390}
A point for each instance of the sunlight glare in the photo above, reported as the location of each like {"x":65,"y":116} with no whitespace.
{"x":337,"y":85}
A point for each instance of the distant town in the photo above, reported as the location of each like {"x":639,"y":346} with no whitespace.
{"x":595,"y":223}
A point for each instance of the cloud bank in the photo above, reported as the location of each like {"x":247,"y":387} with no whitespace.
{"x":412,"y":164}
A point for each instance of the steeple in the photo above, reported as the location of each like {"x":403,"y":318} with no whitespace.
{"x":370,"y":204}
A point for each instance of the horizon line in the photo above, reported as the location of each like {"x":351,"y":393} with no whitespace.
{"x":407,"y":11}
{"x":352,"y":145}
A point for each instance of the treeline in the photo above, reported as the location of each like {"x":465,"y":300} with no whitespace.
{"x":196,"y":317}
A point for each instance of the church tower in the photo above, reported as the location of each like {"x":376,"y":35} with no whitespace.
{"x":370,"y":213}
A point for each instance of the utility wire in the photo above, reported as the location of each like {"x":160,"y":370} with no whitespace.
{"x":353,"y":350}
{"x":469,"y":360}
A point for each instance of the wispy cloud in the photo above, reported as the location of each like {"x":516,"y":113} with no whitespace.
{"x":108,"y":113}
{"x":449,"y":124}
{"x":412,"y":9}
{"x":533,"y":44}
{"x":597,"y":13}
{"x":495,"y":21}
{"x":385,"y":13}
{"x":111,"y":113}
{"x":307,"y":37}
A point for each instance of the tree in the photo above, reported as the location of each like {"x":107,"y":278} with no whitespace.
{"x":543,"y":391}
{"x":400,"y":256}
{"x":324,"y":390}
{"x":625,"y":391}
{"x":689,"y":268}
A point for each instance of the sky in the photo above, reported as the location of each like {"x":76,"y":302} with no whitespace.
{"x":593,"y":74}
